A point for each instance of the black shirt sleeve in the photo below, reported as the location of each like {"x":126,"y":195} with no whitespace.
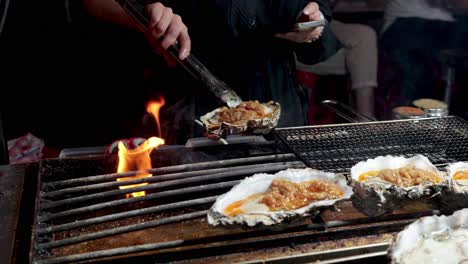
{"x":267,"y":16}
{"x":243,"y":16}
{"x":261,"y":18}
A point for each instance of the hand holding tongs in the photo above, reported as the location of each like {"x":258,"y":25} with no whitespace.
{"x":191,"y":64}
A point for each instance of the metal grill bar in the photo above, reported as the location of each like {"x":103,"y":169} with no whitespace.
{"x":170,"y":169}
{"x":156,"y":186}
{"x":111,"y":252}
{"x":82,"y":210}
{"x":342,"y":255}
{"x":339,"y":147}
{"x":132,"y":213}
{"x":232,"y":171}
{"x":121,"y":230}
{"x":311,"y":230}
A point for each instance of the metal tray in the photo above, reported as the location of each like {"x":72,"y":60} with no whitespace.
{"x":339,"y":147}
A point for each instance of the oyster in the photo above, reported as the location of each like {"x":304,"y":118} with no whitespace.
{"x":433,"y":239}
{"x":384,"y":184}
{"x":455,"y":195}
{"x":249,"y":202}
{"x":249,"y":117}
{"x":458,"y":174}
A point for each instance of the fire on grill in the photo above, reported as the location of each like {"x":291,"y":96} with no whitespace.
{"x":139,"y":159}
{"x":82,"y":215}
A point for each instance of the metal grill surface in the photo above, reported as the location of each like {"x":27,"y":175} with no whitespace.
{"x":338,"y":147}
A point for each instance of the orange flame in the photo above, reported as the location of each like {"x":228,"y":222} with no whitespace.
{"x":139,"y":159}
{"x":153,"y":108}
{"x":136,"y":160}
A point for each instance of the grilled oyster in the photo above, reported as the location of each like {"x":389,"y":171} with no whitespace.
{"x":433,"y":239}
{"x":455,"y":195}
{"x":269,"y":199}
{"x":250,"y":117}
{"x":384,"y":184}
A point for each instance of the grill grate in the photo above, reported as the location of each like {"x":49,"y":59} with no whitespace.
{"x":82,"y":209}
{"x":338,"y":147}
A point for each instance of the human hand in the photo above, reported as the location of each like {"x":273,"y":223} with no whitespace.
{"x":310,"y":13}
{"x":165,"y":28}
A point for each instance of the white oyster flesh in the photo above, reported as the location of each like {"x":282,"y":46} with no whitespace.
{"x":390,"y":162}
{"x":452,"y":169}
{"x":434,"y":239}
{"x":455,"y":195}
{"x":257,"y":213}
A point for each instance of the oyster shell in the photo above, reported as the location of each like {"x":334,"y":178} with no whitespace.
{"x":459,"y":185}
{"x":455,"y":195}
{"x":433,"y":239}
{"x":259,"y":183}
{"x":377,"y":197}
{"x":215,"y":129}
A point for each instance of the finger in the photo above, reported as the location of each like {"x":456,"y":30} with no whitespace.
{"x":154,"y":43}
{"x":185,"y":44}
{"x":282,"y":35}
{"x":314,"y":35}
{"x":318,"y":31}
{"x":293,"y":36}
{"x":314,"y":16}
{"x":160,"y":28}
{"x":310,"y":9}
{"x":155,"y":12}
{"x":172,"y":33}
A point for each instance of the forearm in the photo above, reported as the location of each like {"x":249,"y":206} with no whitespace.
{"x":110,"y":11}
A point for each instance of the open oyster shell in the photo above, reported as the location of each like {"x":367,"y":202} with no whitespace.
{"x":377,"y":197}
{"x":440,"y":233}
{"x":215,"y":129}
{"x":259,"y":183}
{"x":455,"y":195}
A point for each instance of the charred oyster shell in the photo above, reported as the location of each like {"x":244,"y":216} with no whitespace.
{"x":433,"y":239}
{"x":216,"y":129}
{"x":259,"y":183}
{"x":377,"y":197}
{"x":455,"y":194}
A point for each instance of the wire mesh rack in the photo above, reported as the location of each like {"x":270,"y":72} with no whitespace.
{"x":338,"y":147}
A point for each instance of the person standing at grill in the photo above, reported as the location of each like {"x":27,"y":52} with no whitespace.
{"x":246,"y":43}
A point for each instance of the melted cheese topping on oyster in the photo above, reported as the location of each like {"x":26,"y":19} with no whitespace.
{"x":285,"y":195}
{"x":461,"y":177}
{"x":407,"y":176}
{"x":446,"y":246}
{"x":248,"y":110}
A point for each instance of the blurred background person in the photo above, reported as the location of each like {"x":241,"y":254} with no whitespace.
{"x":413,"y":34}
{"x":358,"y":57}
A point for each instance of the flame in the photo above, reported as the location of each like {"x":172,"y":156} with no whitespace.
{"x":153,"y":108}
{"x":139,"y":159}
{"x":136,"y":160}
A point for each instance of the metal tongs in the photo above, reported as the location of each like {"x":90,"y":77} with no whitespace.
{"x":191,"y":64}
